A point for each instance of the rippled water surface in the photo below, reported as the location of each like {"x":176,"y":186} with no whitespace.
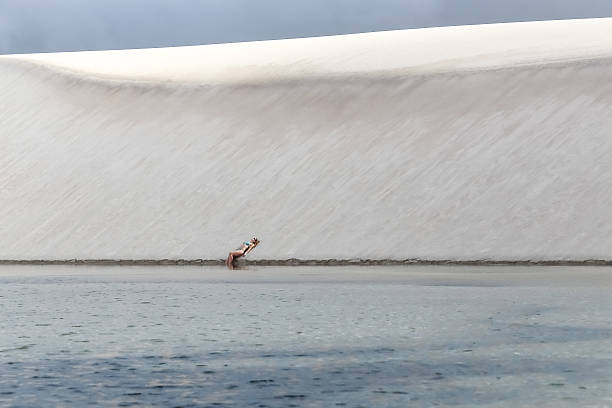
{"x":305,"y":336}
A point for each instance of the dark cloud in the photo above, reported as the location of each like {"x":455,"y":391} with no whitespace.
{"x":70,"y":25}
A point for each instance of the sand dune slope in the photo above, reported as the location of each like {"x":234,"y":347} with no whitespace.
{"x":481,"y":142}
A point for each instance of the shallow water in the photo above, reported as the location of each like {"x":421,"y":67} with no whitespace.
{"x":305,"y":336}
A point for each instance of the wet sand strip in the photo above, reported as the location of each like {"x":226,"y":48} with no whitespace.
{"x":309,"y":262}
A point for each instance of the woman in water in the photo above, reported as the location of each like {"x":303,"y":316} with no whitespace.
{"x":244,"y":249}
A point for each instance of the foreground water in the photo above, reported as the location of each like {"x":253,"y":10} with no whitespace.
{"x":305,"y":336}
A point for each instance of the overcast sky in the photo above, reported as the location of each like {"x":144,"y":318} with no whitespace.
{"x":69,"y":25}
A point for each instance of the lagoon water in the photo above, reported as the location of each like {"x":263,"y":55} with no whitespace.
{"x":305,"y":336}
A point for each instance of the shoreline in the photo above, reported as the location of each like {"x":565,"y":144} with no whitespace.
{"x":307,"y":262}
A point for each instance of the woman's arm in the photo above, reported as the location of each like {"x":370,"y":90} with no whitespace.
{"x":251,"y":247}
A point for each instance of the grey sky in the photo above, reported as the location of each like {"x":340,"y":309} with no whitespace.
{"x":70,"y":25}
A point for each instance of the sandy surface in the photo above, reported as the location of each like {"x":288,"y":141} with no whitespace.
{"x":376,"y":55}
{"x":479,"y":142}
{"x":306,"y":337}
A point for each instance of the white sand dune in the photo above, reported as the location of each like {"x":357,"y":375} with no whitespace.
{"x":476,"y":142}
